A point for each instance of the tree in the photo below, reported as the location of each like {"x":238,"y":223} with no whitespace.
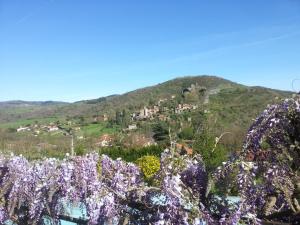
{"x":81,"y":120}
{"x":122,"y":118}
{"x":187,"y":133}
{"x":118,"y":117}
{"x":125,"y":118}
{"x":161,"y":133}
{"x":213,"y":155}
{"x":79,"y":149}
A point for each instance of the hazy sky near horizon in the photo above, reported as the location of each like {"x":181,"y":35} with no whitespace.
{"x":71,"y":50}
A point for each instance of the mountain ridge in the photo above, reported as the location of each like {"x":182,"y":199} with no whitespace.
{"x":197,"y":102}
{"x":150,"y":86}
{"x":134,"y":100}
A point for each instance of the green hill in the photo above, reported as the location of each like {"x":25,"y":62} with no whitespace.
{"x":231,"y":105}
{"x":229,"y":101}
{"x":227,"y":106}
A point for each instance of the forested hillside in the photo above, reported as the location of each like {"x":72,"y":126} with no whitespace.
{"x":184,"y":106}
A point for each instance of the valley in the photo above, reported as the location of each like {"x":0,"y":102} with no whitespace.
{"x":182,"y":109}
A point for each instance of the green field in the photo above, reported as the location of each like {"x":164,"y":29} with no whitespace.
{"x":92,"y":130}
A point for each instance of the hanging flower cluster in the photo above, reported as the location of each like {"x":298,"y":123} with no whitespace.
{"x":110,"y":190}
{"x":268,"y":167}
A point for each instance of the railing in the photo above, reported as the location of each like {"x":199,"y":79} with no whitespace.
{"x":274,"y":223}
{"x":78,"y":221}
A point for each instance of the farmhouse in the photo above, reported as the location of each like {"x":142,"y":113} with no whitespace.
{"x":22,"y":129}
{"x":184,"y":107}
{"x":132,"y":127}
{"x":101,"y":118}
{"x":146,"y":113}
{"x":52,"y":128}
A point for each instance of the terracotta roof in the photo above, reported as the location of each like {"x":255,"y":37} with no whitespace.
{"x":184,"y":149}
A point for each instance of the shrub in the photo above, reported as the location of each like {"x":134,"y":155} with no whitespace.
{"x":149,"y":165}
{"x":187,"y":133}
{"x":212,"y":155}
{"x":161,"y":133}
{"x":131,"y":154}
{"x":80,"y":150}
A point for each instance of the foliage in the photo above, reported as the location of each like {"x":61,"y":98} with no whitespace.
{"x":114,"y":191}
{"x":161,"y":133}
{"x":268,"y":177}
{"x":79,"y":149}
{"x":149,"y":165}
{"x":230,"y":109}
{"x":131,"y":154}
{"x":122,"y":118}
{"x":213,"y":155}
{"x":187,"y":133}
{"x":93,"y":130}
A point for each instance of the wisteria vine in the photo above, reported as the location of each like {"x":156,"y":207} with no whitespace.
{"x":114,"y":192}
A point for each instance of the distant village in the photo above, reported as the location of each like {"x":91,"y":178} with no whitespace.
{"x":155,"y":111}
{"x":37,"y":129}
{"x":161,"y":110}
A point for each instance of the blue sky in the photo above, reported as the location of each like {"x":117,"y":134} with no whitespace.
{"x":73,"y":49}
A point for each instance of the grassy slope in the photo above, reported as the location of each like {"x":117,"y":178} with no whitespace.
{"x":231,"y":109}
{"x":24,"y":122}
{"x":94,"y":130}
{"x":13,"y":113}
{"x":132,"y":100}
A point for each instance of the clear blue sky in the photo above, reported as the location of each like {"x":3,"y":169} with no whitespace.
{"x":71,"y":50}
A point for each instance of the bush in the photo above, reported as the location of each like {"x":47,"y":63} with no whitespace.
{"x":80,"y":150}
{"x":149,"y":165}
{"x":187,"y":133}
{"x":131,"y":154}
{"x":161,"y":133}
{"x":212,"y":155}
{"x":11,"y":130}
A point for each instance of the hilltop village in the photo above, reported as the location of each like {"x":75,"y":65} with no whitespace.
{"x":150,"y":113}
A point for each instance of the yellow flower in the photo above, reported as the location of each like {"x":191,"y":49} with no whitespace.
{"x":149,"y":165}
